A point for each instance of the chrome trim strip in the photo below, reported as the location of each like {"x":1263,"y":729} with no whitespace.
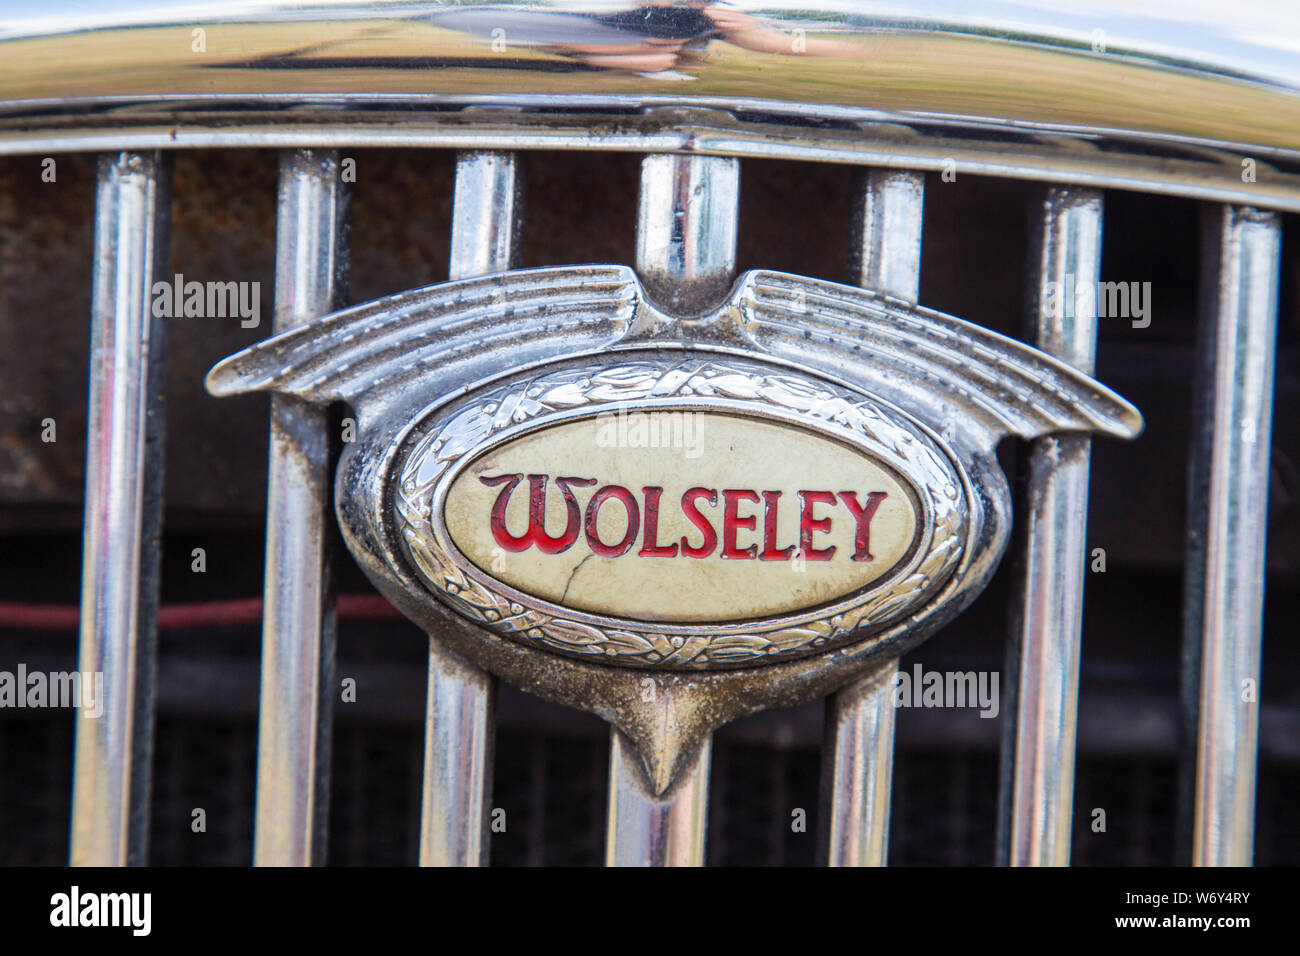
{"x":687,"y":226}
{"x":294,"y":714}
{"x":1204,"y":70}
{"x":1097,"y":157}
{"x":119,"y":596}
{"x":486,"y":231}
{"x":1047,"y":612}
{"x":885,"y":254}
{"x":1228,"y":511}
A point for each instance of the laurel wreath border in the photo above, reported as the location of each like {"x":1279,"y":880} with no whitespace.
{"x":533,"y":621}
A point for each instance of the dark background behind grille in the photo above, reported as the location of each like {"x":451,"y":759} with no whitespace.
{"x":552,"y":788}
{"x":551,"y":764}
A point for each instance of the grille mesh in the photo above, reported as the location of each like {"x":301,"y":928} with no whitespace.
{"x":552,"y":788}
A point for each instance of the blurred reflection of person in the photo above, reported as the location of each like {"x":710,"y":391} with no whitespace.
{"x":669,"y":29}
{"x":652,"y":37}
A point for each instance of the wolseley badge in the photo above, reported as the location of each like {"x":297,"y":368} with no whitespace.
{"x":752,"y":507}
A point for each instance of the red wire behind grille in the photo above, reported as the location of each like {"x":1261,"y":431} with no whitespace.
{"x":242,"y":612}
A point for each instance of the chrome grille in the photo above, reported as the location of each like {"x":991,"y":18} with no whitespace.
{"x":682,"y":249}
{"x":856,"y":794}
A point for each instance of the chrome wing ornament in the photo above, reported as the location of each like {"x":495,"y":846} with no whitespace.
{"x":749,"y":508}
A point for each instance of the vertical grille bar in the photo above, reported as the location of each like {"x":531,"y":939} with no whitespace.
{"x":487,"y":214}
{"x":1047,"y":612}
{"x":885,"y":245}
{"x":487,"y":209}
{"x":457,"y":762}
{"x":885,"y":255}
{"x":859,"y":756}
{"x":649,"y":831}
{"x":294,"y":714}
{"x":119,"y":589}
{"x":687,"y":222}
{"x":1228,"y":510}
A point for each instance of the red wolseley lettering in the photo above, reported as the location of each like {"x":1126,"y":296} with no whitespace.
{"x":536,"y":533}
{"x":733,"y":522}
{"x":642,"y":518}
{"x":809,"y":524}
{"x":862,"y":514}
{"x":691,"y":509}
{"x":593,"y":517}
{"x":770,"y":551}
{"x":652,"y":548}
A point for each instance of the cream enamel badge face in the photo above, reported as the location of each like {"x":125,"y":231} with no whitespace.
{"x":681,"y":516}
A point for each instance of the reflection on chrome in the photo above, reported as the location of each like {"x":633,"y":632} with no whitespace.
{"x":655,"y":38}
{"x":1250,"y":39}
{"x":1215,"y":72}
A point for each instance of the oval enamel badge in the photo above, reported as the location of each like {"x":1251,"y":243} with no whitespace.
{"x":681,"y":516}
{"x":705,"y":512}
